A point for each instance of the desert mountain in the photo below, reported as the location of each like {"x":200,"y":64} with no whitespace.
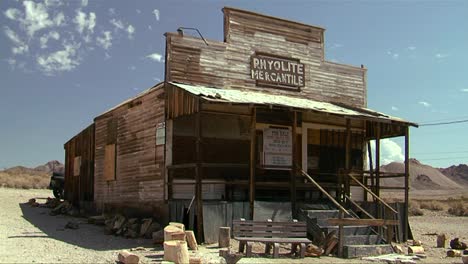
{"x":458,"y":173}
{"x":49,"y":167}
{"x":422,"y":177}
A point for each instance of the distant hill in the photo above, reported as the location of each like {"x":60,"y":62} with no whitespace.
{"x":422,"y":177}
{"x":458,"y":173}
{"x":26,"y":178}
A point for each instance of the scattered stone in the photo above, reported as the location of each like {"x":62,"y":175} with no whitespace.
{"x":72,"y":225}
{"x":397,"y":249}
{"x":97,"y":220}
{"x":158,"y":237}
{"x":126,"y":257}
{"x":138,"y":249}
{"x":417,"y":243}
{"x":457,"y":244}
{"x":453,"y":253}
{"x":313,"y":251}
{"x":31,"y":201}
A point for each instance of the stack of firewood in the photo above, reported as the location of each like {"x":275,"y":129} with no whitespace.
{"x":120,"y":225}
{"x":177,"y":241}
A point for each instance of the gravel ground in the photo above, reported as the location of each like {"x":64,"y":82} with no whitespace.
{"x":31,"y":235}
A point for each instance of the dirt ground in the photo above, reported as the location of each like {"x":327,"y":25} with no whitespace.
{"x":31,"y":235}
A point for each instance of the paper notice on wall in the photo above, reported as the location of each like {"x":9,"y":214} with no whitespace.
{"x":277,"y":147}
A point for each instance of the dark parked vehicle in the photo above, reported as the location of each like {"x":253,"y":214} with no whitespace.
{"x":57,"y":184}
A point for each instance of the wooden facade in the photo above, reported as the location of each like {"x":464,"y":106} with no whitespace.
{"x":202,"y":145}
{"x":79,"y":168}
{"x":129,"y":163}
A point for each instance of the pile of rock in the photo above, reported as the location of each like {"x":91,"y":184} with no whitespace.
{"x":120,"y":225}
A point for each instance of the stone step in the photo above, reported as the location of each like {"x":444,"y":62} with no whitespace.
{"x":361,"y":240}
{"x":348,"y":230}
{"x":358,"y":251}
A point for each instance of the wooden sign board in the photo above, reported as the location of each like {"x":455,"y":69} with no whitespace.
{"x":286,"y":73}
{"x":277,"y":147}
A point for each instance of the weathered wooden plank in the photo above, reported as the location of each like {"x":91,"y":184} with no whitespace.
{"x":361,"y":222}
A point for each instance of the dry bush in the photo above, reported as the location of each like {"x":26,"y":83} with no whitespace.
{"x":432,"y":205}
{"x":414,"y":209}
{"x":458,"y":209}
{"x":24,"y":181}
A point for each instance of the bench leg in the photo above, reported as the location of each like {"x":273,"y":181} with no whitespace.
{"x":303,"y":249}
{"x":248,"y":252}
{"x":276,"y":250}
{"x":294,"y":248}
{"x":267,"y":248}
{"x":241,"y":246}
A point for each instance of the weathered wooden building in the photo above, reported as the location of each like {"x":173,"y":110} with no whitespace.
{"x":243,"y":127}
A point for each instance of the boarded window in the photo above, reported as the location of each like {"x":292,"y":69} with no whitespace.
{"x":112,"y":131}
{"x":76,"y":166}
{"x":109,"y":162}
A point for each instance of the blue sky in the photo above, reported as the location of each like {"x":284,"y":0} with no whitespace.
{"x":64,"y":62}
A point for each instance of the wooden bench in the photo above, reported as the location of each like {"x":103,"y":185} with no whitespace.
{"x":271,"y":233}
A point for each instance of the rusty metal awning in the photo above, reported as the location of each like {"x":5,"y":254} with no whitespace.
{"x":236,"y":96}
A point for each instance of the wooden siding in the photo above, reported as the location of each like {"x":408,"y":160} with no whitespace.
{"x":227,"y":64}
{"x":79,"y":182}
{"x":139,"y":169}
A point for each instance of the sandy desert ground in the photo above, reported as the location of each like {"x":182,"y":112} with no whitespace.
{"x":31,"y":235}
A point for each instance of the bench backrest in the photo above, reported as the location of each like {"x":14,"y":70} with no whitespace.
{"x":246,"y":228}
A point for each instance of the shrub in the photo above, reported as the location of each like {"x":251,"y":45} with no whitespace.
{"x":414,"y":209}
{"x":24,"y":181}
{"x":432,"y":205}
{"x":458,"y":209}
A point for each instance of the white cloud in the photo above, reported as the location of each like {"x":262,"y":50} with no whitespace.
{"x":130,"y":31}
{"x":464,"y":90}
{"x":45,"y":38}
{"x":13,"y":13}
{"x":106,"y":41}
{"x":150,"y":27}
{"x":155,"y":56}
{"x":132,"y":67}
{"x":85,"y":22}
{"x":111,"y":11}
{"x":395,"y":56}
{"x":20,"y":47}
{"x":118,"y":24}
{"x":59,"y":19}
{"x":138,"y":11}
{"x":336,"y":45}
{"x":53,"y":2}
{"x":411,"y":48}
{"x":390,"y":151}
{"x":425,"y":104}
{"x":84,"y":2}
{"x":441,"y":55}
{"x":36,"y":17}
{"x":156,"y":14}
{"x":394,"y":108}
{"x":62,"y":60}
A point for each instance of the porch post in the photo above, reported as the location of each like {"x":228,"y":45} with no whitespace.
{"x":406,"y":227}
{"x":253,"y":136}
{"x":294,"y":163}
{"x":377,"y":162}
{"x":347,"y":158}
{"x":198,"y":176}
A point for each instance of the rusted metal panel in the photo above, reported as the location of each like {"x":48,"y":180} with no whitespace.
{"x":79,"y":182}
{"x":253,"y":97}
{"x":228,"y":65}
{"x":139,"y":161}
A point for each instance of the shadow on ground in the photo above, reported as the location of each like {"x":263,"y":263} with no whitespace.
{"x":86,"y":236}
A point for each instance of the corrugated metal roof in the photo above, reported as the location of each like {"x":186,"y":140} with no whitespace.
{"x":259,"y":98}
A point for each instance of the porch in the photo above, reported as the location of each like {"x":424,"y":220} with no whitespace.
{"x":231,"y":156}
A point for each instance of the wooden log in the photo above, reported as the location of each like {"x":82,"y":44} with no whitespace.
{"x":453,"y":253}
{"x":195,"y":260}
{"x":191,"y":240}
{"x":415,"y":250}
{"x":441,"y":240}
{"x":417,"y":243}
{"x":465,"y":259}
{"x":224,"y":237}
{"x":173,"y":233}
{"x":176,"y":251}
{"x":179,"y":225}
{"x":126,"y":257}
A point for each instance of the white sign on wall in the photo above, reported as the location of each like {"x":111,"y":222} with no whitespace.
{"x":160,"y":133}
{"x":277,"y":147}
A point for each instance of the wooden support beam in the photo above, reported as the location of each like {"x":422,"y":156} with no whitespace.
{"x":377,"y":161}
{"x":373,"y":194}
{"x":407,"y":164}
{"x":360,"y":222}
{"x":198,"y":176}
{"x":371,"y":166}
{"x":253,"y":136}
{"x":294,"y":167}
{"x":348,"y":156}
